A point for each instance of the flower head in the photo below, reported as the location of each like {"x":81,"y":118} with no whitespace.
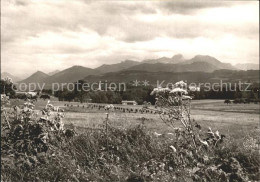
{"x":186,"y":97}
{"x":160,"y":90}
{"x":180,"y":84}
{"x":173,"y":148}
{"x":178,"y":90}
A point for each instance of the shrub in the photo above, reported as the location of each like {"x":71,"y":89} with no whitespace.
{"x":227,"y":101}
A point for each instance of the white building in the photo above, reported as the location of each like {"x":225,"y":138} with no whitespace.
{"x":29,"y":94}
{"x":129,"y":102}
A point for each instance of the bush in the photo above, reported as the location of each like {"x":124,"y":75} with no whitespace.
{"x":227,"y":101}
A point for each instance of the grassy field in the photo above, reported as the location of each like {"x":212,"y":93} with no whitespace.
{"x":235,"y":120}
{"x":128,"y":151}
{"x":236,"y":123}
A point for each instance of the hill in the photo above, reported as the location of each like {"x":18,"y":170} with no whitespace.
{"x":247,"y":66}
{"x":210,"y":60}
{"x":160,"y":67}
{"x":105,"y":68}
{"x":178,"y":64}
{"x":178,"y":58}
{"x":129,"y":76}
{"x":37,"y":77}
{"x":53,"y":72}
{"x":6,"y":74}
{"x":71,"y":74}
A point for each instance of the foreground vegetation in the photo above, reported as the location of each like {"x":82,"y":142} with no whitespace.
{"x":38,"y":147}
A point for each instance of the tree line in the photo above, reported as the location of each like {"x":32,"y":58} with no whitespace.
{"x":140,"y":94}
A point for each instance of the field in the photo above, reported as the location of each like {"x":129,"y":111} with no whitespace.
{"x":235,"y":120}
{"x":135,"y":146}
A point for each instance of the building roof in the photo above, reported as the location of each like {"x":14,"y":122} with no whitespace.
{"x":128,"y":101}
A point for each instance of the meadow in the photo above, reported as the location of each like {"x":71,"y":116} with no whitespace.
{"x":131,"y":144}
{"x":235,"y":120}
{"x":231,"y":119}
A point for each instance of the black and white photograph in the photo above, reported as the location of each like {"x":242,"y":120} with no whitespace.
{"x":130,"y":91}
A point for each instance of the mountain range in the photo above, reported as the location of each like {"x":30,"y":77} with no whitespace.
{"x":53,"y":72}
{"x":105,"y":68}
{"x":37,"y":77}
{"x":69,"y":75}
{"x":5,"y":75}
{"x":248,"y":66}
{"x":129,"y":76}
{"x":178,"y":58}
{"x":199,"y":66}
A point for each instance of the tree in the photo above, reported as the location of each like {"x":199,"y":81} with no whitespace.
{"x":7,"y":87}
{"x":227,"y":101}
{"x":45,"y":97}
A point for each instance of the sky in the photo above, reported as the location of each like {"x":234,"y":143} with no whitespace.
{"x":56,"y":34}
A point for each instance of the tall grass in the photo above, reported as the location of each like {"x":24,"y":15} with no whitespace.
{"x":39,"y":148}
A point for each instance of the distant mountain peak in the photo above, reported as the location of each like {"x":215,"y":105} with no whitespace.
{"x":69,"y":75}
{"x":210,"y":60}
{"x":127,"y":60}
{"x":36,"y":77}
{"x":178,"y":63}
{"x":6,"y":74}
{"x":53,"y":72}
{"x":204,"y":57}
{"x":164,"y":57}
{"x":105,"y":68}
{"x":179,"y":56}
{"x":77,"y":66}
{"x":39,"y":72}
{"x":247,"y":66}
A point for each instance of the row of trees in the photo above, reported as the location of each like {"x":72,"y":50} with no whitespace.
{"x":139,"y":94}
{"x":251,"y":93}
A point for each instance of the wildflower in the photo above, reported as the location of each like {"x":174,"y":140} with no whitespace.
{"x":27,"y":110}
{"x":179,"y":90}
{"x":210,"y":133}
{"x":160,"y":90}
{"x":43,"y":119}
{"x":204,"y":143}
{"x":8,"y":80}
{"x":29,"y":105}
{"x":44,"y":137}
{"x":180,"y":84}
{"x":186,"y":97}
{"x":177,"y":129}
{"x":157,"y":134}
{"x":50,"y":106}
{"x":56,"y":108}
{"x":217,"y":134}
{"x":173,"y":148}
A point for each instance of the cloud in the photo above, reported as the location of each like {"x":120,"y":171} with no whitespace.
{"x":47,"y":34}
{"x":190,"y":6}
